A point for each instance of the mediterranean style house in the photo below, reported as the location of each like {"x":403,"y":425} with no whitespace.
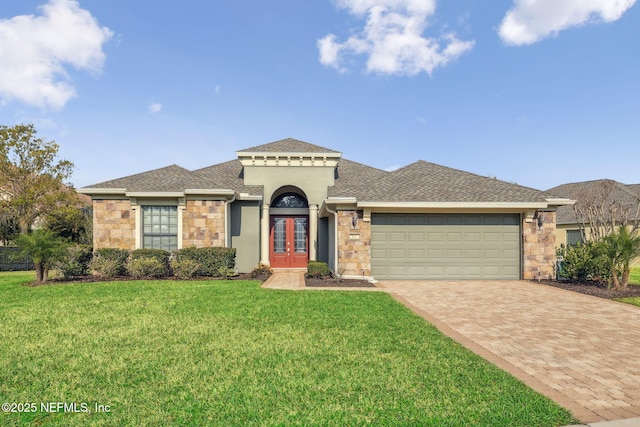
{"x":288,"y":202}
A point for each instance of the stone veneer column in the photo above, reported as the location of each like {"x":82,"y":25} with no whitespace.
{"x":538,"y":245}
{"x":203,"y":223}
{"x":354,"y":244}
{"x":114,"y":224}
{"x":264,"y":235}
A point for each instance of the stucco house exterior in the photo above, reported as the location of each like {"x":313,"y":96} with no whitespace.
{"x":287,"y":202}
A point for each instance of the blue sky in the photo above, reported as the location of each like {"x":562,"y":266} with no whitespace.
{"x":534,"y":92}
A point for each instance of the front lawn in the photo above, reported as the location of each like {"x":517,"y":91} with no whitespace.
{"x":231,"y":353}
{"x":634,"y":277}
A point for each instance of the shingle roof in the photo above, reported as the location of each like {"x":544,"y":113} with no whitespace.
{"x":418,"y":182}
{"x":429,"y":182}
{"x":227,"y":175}
{"x":634,"y":187}
{"x":289,"y":145}
{"x":606,"y":190}
{"x":169,"y":178}
{"x":353,"y":178}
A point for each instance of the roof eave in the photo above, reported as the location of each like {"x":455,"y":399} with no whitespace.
{"x":557,"y":201}
{"x":456,"y":205}
{"x":101,"y":191}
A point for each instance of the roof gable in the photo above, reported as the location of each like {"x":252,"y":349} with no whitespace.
{"x":288,"y":145}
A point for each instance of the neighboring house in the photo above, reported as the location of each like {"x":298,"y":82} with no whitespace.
{"x":289,"y":202}
{"x":598,"y":198}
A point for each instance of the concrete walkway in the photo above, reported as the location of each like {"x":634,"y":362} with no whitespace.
{"x":581,"y":351}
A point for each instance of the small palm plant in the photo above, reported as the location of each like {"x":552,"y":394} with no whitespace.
{"x":622,"y":247}
{"x":43,"y":247}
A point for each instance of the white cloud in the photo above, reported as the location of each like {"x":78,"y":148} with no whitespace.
{"x":34,"y":51}
{"x":530,"y":21}
{"x":155,"y":107}
{"x":393,"y":38}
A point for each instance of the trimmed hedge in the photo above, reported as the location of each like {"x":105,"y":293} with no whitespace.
{"x":317,"y":269}
{"x":75,"y":261}
{"x":147,"y":268}
{"x":110,"y":262}
{"x":211,"y":261}
{"x":185,"y":268}
{"x":159,"y":255}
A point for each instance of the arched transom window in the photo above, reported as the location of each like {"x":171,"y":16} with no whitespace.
{"x":290,"y":200}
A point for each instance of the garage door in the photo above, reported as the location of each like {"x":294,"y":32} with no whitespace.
{"x":445,"y":246}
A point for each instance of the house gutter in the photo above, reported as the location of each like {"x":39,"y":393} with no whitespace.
{"x":335,"y":236}
{"x":227,"y":220}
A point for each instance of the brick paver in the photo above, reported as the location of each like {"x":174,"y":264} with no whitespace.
{"x":581,"y":351}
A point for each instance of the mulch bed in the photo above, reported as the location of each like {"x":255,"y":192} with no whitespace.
{"x":313,"y":282}
{"x":596,"y":290}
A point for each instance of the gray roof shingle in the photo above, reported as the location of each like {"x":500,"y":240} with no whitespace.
{"x":418,"y":182}
{"x":428,"y":182}
{"x":166,"y":179}
{"x":227,"y":175}
{"x":289,"y":145}
{"x":606,"y":190}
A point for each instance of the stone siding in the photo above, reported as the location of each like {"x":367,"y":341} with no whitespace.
{"x":538,"y":245}
{"x":114,"y":224}
{"x":354,"y":244}
{"x":203,"y":223}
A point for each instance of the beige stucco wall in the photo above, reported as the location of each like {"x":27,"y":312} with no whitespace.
{"x":203,"y":223}
{"x":539,"y":247}
{"x":312,"y":180}
{"x":114,"y":224}
{"x":245,"y":234}
{"x":354,"y":254}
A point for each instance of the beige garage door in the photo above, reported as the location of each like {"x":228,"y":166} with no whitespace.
{"x":445,"y":246}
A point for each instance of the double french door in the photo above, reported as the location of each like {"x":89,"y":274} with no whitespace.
{"x":289,"y":241}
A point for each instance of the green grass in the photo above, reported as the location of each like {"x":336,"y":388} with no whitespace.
{"x":231,"y":353}
{"x":634,"y":277}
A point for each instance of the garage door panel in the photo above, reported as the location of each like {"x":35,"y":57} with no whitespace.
{"x":397,"y":253}
{"x":439,"y":246}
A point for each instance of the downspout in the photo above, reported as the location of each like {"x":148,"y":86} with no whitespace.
{"x":227,"y":220}
{"x":335,"y":237}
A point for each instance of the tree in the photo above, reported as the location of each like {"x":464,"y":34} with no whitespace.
{"x":621,"y":247}
{"x":604,"y":205}
{"x":43,"y":247}
{"x":73,"y":223}
{"x":8,"y":225}
{"x":31,"y":175}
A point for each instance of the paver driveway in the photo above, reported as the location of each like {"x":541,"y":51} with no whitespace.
{"x":581,"y":351}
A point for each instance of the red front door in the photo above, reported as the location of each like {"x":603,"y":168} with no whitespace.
{"x":288,"y":242}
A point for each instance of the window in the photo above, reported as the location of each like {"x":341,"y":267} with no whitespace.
{"x":574,"y":237}
{"x":289,"y":200}
{"x":160,"y":227}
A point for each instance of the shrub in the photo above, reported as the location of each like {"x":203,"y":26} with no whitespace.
{"x":160,"y":255}
{"x":317,"y":269}
{"x":584,"y":262}
{"x":210,"y":260}
{"x":146,"y":267}
{"x":261,"y":270}
{"x":184,"y":268}
{"x":74,"y":261}
{"x":110,"y":262}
